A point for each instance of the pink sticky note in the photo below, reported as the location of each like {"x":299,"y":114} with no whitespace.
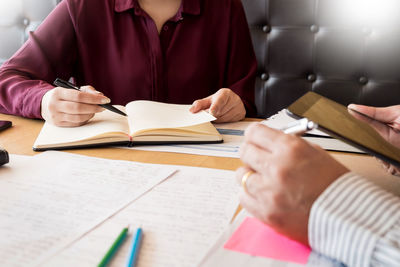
{"x":258,"y":239}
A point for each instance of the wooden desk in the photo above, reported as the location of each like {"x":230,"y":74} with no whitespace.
{"x":20,"y":137}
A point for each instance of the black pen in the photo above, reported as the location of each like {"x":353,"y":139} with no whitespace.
{"x":61,"y":83}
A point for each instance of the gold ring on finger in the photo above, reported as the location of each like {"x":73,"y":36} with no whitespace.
{"x":244,"y":180}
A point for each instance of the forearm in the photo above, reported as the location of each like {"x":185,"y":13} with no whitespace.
{"x":356,"y":222}
{"x":20,"y":95}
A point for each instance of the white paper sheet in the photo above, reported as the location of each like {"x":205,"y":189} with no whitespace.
{"x":281,"y":119}
{"x":180,"y":219}
{"x":232,"y":133}
{"x":52,"y":199}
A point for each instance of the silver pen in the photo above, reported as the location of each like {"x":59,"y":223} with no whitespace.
{"x":299,"y":127}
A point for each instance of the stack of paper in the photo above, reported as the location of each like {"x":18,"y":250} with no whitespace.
{"x":180,"y":219}
{"x":48,"y":201}
{"x":282,"y":119}
{"x":232,"y":133}
{"x":61,"y":209}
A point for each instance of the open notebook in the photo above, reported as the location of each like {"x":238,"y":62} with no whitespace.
{"x":148,"y":122}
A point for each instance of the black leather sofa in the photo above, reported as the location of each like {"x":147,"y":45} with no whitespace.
{"x":301,"y":45}
{"x":341,"y":49}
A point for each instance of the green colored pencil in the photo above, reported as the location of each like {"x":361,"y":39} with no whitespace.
{"x":114,"y":247}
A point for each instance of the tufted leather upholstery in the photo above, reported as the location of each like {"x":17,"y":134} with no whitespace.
{"x":301,"y":45}
{"x":333,"y":47}
{"x":17,"y":19}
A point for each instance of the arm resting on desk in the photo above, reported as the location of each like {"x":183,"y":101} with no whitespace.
{"x":356,"y":222}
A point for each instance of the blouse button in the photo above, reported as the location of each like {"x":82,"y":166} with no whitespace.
{"x":165,"y":28}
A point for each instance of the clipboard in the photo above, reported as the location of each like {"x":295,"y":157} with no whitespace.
{"x":349,"y":126}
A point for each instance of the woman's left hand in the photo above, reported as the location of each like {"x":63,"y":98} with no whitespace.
{"x":225,"y":105}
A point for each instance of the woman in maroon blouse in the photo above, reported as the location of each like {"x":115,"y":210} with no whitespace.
{"x":172,"y":51}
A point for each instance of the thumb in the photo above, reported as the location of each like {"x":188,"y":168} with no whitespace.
{"x":386,"y":115}
{"x":201,"y":104}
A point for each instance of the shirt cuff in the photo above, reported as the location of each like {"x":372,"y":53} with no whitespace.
{"x":349,"y":217}
{"x":32,"y":103}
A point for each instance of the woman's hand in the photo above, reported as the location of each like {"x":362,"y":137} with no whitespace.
{"x":289,"y":175}
{"x":390,"y":132}
{"x":225,"y":105}
{"x":69,"y":108}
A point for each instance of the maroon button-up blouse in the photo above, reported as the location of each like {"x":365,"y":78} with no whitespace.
{"x":114,"y":46}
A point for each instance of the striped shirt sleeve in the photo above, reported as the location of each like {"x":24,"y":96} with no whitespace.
{"x":357,"y":223}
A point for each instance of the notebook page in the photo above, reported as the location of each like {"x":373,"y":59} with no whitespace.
{"x":149,"y":115}
{"x":53,"y":198}
{"x":103,"y":122}
{"x":180,"y":219}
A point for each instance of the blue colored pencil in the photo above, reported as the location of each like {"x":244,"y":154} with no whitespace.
{"x":135,"y":247}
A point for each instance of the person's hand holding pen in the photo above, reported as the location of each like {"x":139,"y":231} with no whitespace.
{"x":69,"y":108}
{"x":282,"y":177}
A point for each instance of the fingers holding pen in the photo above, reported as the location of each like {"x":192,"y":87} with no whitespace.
{"x":69,"y":108}
{"x":87,"y":95}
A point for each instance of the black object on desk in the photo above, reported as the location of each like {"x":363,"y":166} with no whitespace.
{"x":4,"y":159}
{"x":5,"y":124}
{"x":61,"y":83}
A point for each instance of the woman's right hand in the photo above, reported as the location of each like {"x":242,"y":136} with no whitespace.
{"x":69,"y":108}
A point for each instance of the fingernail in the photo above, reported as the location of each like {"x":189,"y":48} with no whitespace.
{"x":105,"y":100}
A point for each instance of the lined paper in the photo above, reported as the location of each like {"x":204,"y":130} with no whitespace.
{"x":180,"y":219}
{"x":231,"y":132}
{"x":49,"y":200}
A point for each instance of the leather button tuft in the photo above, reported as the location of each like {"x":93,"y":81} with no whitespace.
{"x":311,"y":78}
{"x":26,"y":22}
{"x":266,"y":29}
{"x":314,"y":28}
{"x":264,"y":76}
{"x":363,"y":80}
